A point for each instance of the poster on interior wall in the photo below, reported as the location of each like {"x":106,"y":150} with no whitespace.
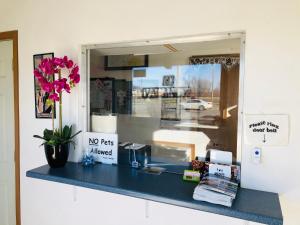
{"x":42,"y":110}
{"x":125,"y":62}
{"x":102,"y":95}
{"x":267,"y":130}
{"x":103,"y":146}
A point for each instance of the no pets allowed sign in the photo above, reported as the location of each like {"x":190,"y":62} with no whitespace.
{"x":103,"y":146}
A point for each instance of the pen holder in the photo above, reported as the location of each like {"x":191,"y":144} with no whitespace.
{"x":135,"y":158}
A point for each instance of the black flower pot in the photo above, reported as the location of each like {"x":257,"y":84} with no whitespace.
{"x":57,"y":156}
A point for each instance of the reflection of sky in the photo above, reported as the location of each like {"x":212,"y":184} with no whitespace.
{"x":154,"y":75}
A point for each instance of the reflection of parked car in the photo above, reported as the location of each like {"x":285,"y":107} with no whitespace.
{"x":196,"y":104}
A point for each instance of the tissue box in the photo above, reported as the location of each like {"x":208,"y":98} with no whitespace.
{"x":191,"y":175}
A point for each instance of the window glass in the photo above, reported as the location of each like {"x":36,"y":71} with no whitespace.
{"x":164,"y":100}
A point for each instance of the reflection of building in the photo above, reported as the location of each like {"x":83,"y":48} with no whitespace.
{"x":165,"y":92}
{"x":150,"y":92}
{"x":170,"y":109}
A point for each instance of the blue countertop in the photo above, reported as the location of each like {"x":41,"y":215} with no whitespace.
{"x":251,"y":205}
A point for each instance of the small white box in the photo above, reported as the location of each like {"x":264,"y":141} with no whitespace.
{"x":104,"y":124}
{"x":217,"y":156}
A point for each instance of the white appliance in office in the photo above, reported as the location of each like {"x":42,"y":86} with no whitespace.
{"x":104,"y":124}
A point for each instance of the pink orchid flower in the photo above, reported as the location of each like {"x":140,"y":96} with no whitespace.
{"x":45,"y":74}
{"x":61,"y":85}
{"x":67,"y":88}
{"x":76,"y":78}
{"x":54,"y":97}
{"x":68,"y":63}
{"x":58,"y":62}
{"x":48,"y":87}
{"x":37,"y":73}
{"x":75,"y":70}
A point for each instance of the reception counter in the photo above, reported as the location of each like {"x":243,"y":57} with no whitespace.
{"x":169,"y":188}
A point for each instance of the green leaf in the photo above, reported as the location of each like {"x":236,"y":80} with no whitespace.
{"x":70,"y":132}
{"x":48,"y":134}
{"x":52,"y":142}
{"x":65,"y":132}
{"x":37,"y":136}
{"x":56,"y":133}
{"x":56,"y":137}
{"x":75,"y":134}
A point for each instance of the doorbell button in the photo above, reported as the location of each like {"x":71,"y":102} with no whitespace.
{"x":256,"y":155}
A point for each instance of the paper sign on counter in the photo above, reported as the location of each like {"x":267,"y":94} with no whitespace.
{"x":103,"y":146}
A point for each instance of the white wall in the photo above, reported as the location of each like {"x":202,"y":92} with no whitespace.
{"x":271,"y":70}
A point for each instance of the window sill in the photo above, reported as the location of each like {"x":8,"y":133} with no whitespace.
{"x":250,"y":205}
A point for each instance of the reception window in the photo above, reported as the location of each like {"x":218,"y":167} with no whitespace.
{"x":181,"y":98}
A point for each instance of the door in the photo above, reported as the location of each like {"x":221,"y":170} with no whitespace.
{"x":7,"y":139}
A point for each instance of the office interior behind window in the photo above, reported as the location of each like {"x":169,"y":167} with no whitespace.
{"x":179,"y":98}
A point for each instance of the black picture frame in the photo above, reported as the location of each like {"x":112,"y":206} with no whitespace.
{"x":108,"y":59}
{"x":42,"y":111}
{"x":104,"y":95}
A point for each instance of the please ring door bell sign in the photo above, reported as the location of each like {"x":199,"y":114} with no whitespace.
{"x":103,"y":146}
{"x":267,"y":130}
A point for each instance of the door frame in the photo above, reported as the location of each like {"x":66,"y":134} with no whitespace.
{"x":13,"y":35}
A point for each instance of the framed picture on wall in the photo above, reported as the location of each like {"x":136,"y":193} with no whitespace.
{"x":125,"y":62}
{"x":42,"y":110}
{"x":102,"y":95}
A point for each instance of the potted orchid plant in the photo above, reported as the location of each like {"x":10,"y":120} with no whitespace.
{"x":56,"y":76}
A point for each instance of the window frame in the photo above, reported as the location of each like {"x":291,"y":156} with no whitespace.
{"x":82,"y":115}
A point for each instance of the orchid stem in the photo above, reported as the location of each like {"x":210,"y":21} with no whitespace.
{"x":52,"y":112}
{"x":60,"y":106}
